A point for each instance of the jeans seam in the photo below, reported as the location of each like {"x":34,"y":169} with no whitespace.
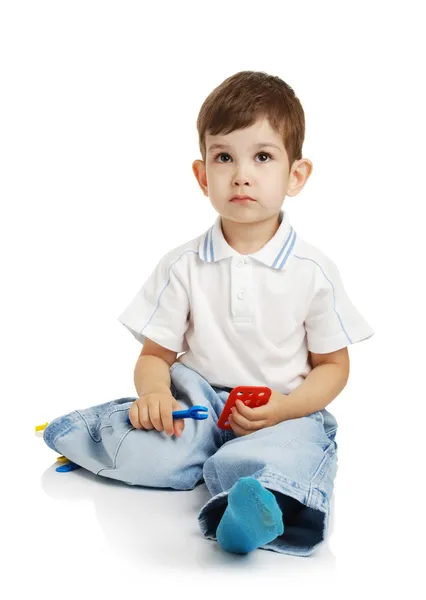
{"x":101,"y":428}
{"x":87,"y":425}
{"x":271,"y":477}
{"x":114,"y":463}
{"x":110,"y":414}
{"x":317,"y":477}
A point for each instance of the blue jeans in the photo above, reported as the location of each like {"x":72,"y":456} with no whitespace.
{"x":295,"y":459}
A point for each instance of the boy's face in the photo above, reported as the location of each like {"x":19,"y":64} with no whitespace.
{"x":252,"y":162}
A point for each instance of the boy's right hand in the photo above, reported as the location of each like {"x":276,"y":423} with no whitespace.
{"x":155,"y":411}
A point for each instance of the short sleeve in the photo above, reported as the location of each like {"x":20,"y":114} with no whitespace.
{"x":160,"y":309}
{"x":333,"y":322}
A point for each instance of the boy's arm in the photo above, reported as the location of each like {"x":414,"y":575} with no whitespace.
{"x":327,"y":379}
{"x":152,"y":370}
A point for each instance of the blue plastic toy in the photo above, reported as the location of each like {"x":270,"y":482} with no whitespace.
{"x":197,"y":412}
{"x":70,"y":466}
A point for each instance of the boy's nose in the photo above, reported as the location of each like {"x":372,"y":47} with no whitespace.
{"x":242,"y":175}
{"x":241,"y":179}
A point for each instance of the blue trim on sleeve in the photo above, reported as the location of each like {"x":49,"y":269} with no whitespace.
{"x":162,"y":291}
{"x":334,"y":295}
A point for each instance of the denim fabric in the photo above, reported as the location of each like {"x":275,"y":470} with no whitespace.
{"x":296,"y":459}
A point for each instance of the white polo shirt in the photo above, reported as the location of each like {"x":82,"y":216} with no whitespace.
{"x":246,"y":319}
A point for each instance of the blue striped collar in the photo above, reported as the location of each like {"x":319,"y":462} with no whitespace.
{"x":275,"y":253}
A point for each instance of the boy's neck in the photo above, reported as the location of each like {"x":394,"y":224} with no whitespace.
{"x":248,"y":238}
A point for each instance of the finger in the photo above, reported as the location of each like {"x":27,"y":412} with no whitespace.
{"x":154,"y":415}
{"x":166,"y":418}
{"x":241,"y":420}
{"x":245,"y":423}
{"x":134,"y":416}
{"x":144,"y":419}
{"x":179,"y":424}
{"x":239,"y":431}
{"x":252,"y":414}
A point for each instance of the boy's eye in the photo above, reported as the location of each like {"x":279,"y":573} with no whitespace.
{"x":259,"y":153}
{"x":264,"y":154}
{"x":221,"y":154}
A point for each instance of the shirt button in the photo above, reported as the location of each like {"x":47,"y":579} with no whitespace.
{"x":240,"y":295}
{"x":241,"y":263}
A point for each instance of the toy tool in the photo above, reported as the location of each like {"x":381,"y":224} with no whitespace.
{"x":195,"y":412}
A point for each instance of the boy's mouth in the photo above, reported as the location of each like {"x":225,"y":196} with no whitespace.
{"x":241,"y":199}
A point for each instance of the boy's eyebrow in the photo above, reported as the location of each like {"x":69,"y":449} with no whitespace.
{"x":258,"y":145}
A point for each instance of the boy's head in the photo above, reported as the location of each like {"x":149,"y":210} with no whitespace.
{"x":237,"y":121}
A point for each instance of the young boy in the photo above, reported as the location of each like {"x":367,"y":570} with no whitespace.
{"x":246,"y":303}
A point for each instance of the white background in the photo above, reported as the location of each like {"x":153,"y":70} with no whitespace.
{"x":98,"y":112}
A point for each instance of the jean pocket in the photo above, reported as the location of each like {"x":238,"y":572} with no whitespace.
{"x":324,"y":438}
{"x":99,"y":417}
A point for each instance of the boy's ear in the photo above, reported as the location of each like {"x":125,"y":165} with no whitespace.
{"x":199,"y":171}
{"x":300,"y":173}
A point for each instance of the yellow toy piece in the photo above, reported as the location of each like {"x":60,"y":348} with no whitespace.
{"x":62,"y":459}
{"x":41,"y":427}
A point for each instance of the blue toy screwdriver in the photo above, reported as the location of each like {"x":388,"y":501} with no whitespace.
{"x":195,"y":412}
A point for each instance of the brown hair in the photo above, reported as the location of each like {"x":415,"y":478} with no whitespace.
{"x":246,"y":96}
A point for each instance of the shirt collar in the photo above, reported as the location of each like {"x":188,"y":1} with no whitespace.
{"x":275,"y":253}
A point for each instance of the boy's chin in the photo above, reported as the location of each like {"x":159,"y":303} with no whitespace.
{"x":240,"y":218}
{"x":247,"y":216}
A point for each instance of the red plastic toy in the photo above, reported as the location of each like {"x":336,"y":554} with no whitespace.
{"x":251,"y":395}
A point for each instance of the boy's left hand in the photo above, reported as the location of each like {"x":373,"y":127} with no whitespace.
{"x":244,"y":420}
